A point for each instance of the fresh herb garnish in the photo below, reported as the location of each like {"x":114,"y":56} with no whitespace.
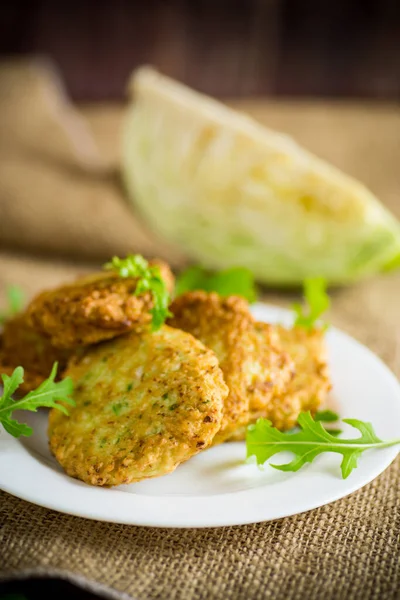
{"x":317,"y":303}
{"x":237,"y":281}
{"x":263,"y":441}
{"x":149,"y":280}
{"x":327,"y":416}
{"x":47,"y":394}
{"x":16,"y":301}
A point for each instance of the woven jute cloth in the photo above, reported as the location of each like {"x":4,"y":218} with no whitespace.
{"x":346,"y":550}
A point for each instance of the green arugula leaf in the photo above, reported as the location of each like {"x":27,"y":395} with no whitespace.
{"x":237,"y":281}
{"x":334,"y":432}
{"x":15,"y":428}
{"x":263,"y":441}
{"x":317,"y":300}
{"x":47,"y":394}
{"x":16,"y":301}
{"x":10,"y":384}
{"x":190,"y":279}
{"x":328,"y":416}
{"x":149,"y":280}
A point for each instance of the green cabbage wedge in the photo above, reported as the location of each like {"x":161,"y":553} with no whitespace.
{"x":230,"y":192}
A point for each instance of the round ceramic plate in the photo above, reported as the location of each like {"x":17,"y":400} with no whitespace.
{"x":217,"y":487}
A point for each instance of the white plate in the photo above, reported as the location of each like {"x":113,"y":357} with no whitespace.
{"x":216,"y":488}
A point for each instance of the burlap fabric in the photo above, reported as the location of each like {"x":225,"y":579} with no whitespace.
{"x":346,"y":550}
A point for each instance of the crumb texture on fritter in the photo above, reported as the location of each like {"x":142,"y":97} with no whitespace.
{"x":254,"y":368}
{"x":23,"y":346}
{"x":31,"y":379}
{"x":144,"y":404}
{"x":309,"y":387}
{"x":270,"y":369}
{"x":306,"y":388}
{"x":93,"y":308}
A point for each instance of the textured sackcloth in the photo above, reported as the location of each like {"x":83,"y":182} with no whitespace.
{"x":347,"y":550}
{"x":59,"y":194}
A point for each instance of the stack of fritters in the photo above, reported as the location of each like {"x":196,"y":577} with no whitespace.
{"x":254,"y":367}
{"x":93,"y":309}
{"x":271,"y":371}
{"x":59,"y":323}
{"x":147,"y":401}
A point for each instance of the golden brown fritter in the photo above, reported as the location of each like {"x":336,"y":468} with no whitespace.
{"x":31,"y":380}
{"x":307,"y":389}
{"x":310,"y":386}
{"x":93,"y":309}
{"x":222,"y":324}
{"x":272,"y":369}
{"x":253,"y":368}
{"x":145,"y":402}
{"x":22,"y":346}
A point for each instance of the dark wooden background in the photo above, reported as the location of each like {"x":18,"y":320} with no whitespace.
{"x":336,"y":48}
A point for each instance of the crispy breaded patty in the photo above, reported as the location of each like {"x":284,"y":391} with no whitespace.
{"x":222,"y":324}
{"x":271,"y":367}
{"x":93,"y":309}
{"x":254,"y":369}
{"x":145,"y":402}
{"x":23,"y":346}
{"x":31,"y":380}
{"x":309,"y":385}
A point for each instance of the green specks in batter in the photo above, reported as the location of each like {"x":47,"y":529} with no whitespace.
{"x":169,"y":401}
{"x":117,"y":407}
{"x":155,"y":430}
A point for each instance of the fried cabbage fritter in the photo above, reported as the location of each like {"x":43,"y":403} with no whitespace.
{"x":271,"y":367}
{"x":145,"y":402}
{"x":254,"y":369}
{"x":308,"y":386}
{"x":31,"y":380}
{"x":93,"y":309}
{"x":22,"y":346}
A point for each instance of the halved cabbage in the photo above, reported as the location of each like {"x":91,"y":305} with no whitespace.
{"x":230,"y":192}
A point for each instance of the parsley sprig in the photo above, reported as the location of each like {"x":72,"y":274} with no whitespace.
{"x":237,"y":281}
{"x":16,"y":300}
{"x":48,"y":394}
{"x":317,"y":301}
{"x":263,"y":441}
{"x":149,"y":280}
